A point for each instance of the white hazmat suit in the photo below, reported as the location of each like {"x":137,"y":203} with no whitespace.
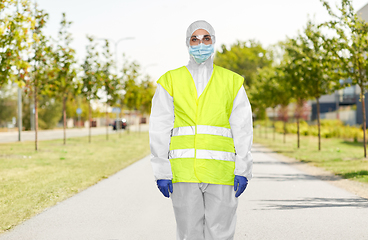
{"x":202,"y":210}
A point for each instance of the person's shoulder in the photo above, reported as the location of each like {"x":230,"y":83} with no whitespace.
{"x":168,"y":79}
{"x":227,"y":71}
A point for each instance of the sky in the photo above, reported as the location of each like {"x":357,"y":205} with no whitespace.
{"x":159,"y":26}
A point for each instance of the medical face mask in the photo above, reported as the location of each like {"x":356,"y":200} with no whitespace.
{"x":201,"y":52}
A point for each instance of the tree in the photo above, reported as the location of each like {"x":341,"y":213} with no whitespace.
{"x":64,"y":60}
{"x":91,"y":81}
{"x":350,"y":45}
{"x":111,"y":83}
{"x":294,"y":69}
{"x":131,"y":97}
{"x":244,"y":58}
{"x":284,"y":86}
{"x":42,"y":70}
{"x":319,"y":66}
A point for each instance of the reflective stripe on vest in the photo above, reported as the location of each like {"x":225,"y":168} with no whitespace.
{"x":181,"y":153}
{"x":202,"y":129}
{"x":202,"y":154}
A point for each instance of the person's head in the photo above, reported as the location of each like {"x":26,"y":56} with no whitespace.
{"x":200,"y":40}
{"x":202,"y":29}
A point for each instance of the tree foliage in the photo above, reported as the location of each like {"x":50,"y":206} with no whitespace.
{"x":147,"y":90}
{"x":111,"y":82}
{"x":244,"y":58}
{"x":131,"y":98}
{"x":138,"y":92}
{"x":91,"y":80}
{"x":16,"y":23}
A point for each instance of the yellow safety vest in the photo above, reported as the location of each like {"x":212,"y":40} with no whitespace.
{"x":201,"y":146}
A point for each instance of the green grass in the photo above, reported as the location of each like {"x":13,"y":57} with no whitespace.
{"x":31,"y":181}
{"x":341,"y":157}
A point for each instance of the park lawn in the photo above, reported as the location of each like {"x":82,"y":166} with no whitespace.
{"x":31,"y":181}
{"x":341,"y":157}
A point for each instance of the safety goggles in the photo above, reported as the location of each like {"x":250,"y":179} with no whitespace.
{"x":197,"y":39}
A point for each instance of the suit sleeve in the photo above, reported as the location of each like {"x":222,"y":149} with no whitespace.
{"x":242,"y":129}
{"x":160,"y":125}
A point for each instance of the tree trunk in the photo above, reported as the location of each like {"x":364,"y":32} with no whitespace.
{"x":274,"y":120}
{"x":319,"y":126}
{"x":297,"y":120}
{"x":337,"y":105}
{"x":107,"y":123}
{"x":130,"y":120}
{"x":266,"y":127}
{"x":90,"y":121}
{"x":364,"y":120}
{"x":36,"y":116}
{"x":120,"y":117}
{"x":284,"y":131}
{"x":259,"y":130}
{"x":64,"y":118}
{"x":20,"y":127}
{"x":139,"y":125}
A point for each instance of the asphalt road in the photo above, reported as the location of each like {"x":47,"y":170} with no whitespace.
{"x":281,"y":202}
{"x":59,"y":133}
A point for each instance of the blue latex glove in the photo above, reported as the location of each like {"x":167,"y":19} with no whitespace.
{"x":165,"y":185}
{"x":242,"y":182}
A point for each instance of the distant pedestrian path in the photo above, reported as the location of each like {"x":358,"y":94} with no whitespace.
{"x":59,"y":134}
{"x":281,"y":202}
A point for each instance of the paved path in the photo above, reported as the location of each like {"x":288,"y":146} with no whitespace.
{"x":281,"y":202}
{"x":59,"y":133}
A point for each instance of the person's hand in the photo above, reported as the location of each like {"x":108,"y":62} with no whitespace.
{"x":242,"y":182}
{"x":165,"y":185}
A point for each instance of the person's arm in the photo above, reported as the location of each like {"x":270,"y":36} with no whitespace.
{"x":160,"y":125}
{"x":242,"y":129}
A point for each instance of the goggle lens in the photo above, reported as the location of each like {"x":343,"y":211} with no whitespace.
{"x":197,"y":39}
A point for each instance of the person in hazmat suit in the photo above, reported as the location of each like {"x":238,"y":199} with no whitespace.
{"x":200,"y":136}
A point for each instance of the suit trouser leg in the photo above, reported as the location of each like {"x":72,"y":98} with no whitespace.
{"x":188,"y":206}
{"x":220,"y":212}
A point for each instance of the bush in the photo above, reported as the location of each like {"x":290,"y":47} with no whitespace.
{"x":329,"y":129}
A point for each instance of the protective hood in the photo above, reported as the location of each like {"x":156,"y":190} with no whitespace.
{"x":200,"y":24}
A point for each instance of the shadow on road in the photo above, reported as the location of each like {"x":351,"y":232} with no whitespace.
{"x":268,"y":151}
{"x":276,"y":163}
{"x":294,"y":177}
{"x":313,"y":203}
